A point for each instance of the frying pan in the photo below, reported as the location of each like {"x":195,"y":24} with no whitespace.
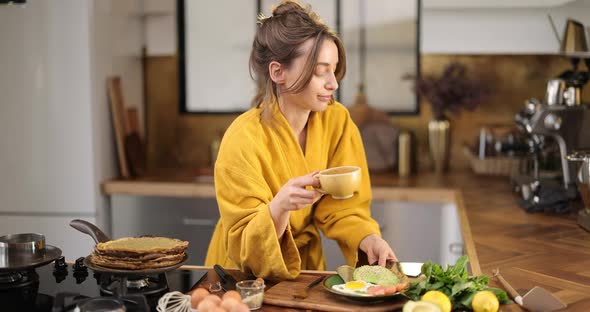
{"x":100,"y":237}
{"x":25,"y":251}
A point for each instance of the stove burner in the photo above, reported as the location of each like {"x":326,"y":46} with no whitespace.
{"x":10,"y":277}
{"x":75,"y":302}
{"x":18,"y":290}
{"x":138,"y":284}
{"x":101,"y":304}
{"x":148,"y":286}
{"x":20,"y":279}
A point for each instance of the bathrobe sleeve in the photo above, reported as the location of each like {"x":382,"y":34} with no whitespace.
{"x":243,"y":198}
{"x":347,"y":221}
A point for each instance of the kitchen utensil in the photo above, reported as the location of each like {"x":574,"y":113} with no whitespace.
{"x":119,"y":122}
{"x":574,"y":36}
{"x":554,"y":92}
{"x":100,"y":237}
{"x":86,"y":227}
{"x":302,"y":293}
{"x":535,"y":300}
{"x":26,"y":243}
{"x":583,"y":182}
{"x":26,"y":250}
{"x":134,"y":145}
{"x":228,"y":282}
{"x":252,"y":292}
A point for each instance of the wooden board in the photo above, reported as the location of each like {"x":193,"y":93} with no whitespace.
{"x":119,"y":119}
{"x":320,"y":299}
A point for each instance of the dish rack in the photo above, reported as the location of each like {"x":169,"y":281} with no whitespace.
{"x":496,"y":165}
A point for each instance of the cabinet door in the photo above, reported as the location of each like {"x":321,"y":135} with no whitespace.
{"x":188,"y":219}
{"x":419,"y":232}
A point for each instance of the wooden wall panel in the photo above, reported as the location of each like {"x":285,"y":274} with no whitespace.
{"x":183,"y":141}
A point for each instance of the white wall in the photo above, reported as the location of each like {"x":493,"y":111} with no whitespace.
{"x":501,"y":30}
{"x":56,"y":145}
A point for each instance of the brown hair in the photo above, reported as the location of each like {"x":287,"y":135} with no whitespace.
{"x":278,"y":38}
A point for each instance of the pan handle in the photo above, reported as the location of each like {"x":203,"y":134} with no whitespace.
{"x":90,"y":229}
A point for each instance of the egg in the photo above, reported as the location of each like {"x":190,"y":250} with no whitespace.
{"x":240,"y":308}
{"x":213,"y":298}
{"x":207,"y":305}
{"x":229,"y":303}
{"x":358,"y":288}
{"x":197,"y":296}
{"x":232,"y":294}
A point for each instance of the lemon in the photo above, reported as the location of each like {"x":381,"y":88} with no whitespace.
{"x":485,"y":301}
{"x":420,"y":306}
{"x":438,"y":298}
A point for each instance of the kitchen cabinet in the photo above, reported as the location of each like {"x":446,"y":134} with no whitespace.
{"x":417,"y":232}
{"x":493,"y":3}
{"x":463,"y":27}
{"x":190,"y":219}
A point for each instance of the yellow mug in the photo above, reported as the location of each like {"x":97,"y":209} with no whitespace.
{"x":340,"y":182}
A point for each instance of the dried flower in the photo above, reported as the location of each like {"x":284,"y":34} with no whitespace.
{"x":453,"y":91}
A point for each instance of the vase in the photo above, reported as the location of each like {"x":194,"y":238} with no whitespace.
{"x":439,"y":143}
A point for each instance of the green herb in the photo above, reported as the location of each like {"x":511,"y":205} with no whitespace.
{"x":453,"y":282}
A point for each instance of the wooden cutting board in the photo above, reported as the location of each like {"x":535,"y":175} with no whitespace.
{"x":320,"y":299}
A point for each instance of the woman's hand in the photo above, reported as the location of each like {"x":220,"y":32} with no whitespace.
{"x":294,"y":195}
{"x":377,"y":249}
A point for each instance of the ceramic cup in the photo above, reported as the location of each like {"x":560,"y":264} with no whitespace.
{"x":340,"y":182}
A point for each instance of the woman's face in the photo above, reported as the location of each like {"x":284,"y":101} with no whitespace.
{"x":318,"y":93}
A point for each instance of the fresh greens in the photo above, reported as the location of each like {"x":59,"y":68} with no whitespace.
{"x":454,"y":282}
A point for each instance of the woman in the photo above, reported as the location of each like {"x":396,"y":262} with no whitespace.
{"x":264,"y":173}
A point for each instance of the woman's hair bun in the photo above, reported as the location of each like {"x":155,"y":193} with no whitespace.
{"x":287,"y":7}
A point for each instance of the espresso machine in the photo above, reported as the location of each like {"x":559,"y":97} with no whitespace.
{"x":560,"y":121}
{"x":583,"y":186}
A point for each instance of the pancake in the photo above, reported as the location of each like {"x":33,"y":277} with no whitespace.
{"x":134,"y":265}
{"x":128,"y":246}
{"x":139,"y":261}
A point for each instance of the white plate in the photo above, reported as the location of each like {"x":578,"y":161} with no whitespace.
{"x":412,"y":269}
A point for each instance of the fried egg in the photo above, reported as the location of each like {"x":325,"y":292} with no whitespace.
{"x":358,"y":288}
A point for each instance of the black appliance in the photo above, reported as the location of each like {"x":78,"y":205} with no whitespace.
{"x":60,"y":286}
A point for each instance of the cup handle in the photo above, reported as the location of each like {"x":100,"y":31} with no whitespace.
{"x":318,"y":189}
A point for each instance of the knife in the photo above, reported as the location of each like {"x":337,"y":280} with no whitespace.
{"x":228,"y":282}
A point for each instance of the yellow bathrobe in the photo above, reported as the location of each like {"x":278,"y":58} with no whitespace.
{"x":255,"y":160}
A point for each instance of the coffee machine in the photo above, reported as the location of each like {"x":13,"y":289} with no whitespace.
{"x":556,"y":121}
{"x":583,"y":180}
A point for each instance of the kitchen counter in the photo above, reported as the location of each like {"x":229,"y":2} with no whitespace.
{"x":550,"y":251}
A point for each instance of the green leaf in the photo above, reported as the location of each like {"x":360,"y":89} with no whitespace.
{"x":459,"y":287}
{"x":455,"y":282}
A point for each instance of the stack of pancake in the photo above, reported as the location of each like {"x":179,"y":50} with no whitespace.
{"x":139,"y":253}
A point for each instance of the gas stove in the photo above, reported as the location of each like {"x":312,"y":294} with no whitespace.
{"x":60,"y":286}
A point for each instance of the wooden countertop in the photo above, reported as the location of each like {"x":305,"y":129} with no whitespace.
{"x":550,"y":251}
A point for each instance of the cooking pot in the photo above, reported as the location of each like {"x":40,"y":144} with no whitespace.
{"x":25,"y":250}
